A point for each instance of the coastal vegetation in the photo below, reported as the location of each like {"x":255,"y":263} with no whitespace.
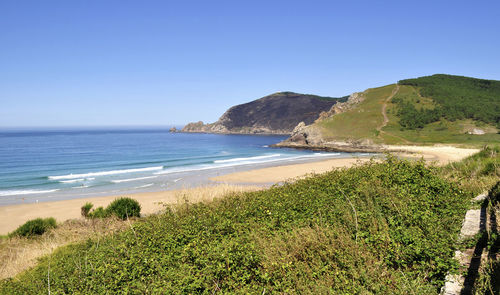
{"x":18,"y":253}
{"x":385,"y":228}
{"x":488,"y":281}
{"x":122,"y":208}
{"x":34,"y":227}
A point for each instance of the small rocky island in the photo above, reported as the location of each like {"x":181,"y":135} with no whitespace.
{"x":277,"y":113}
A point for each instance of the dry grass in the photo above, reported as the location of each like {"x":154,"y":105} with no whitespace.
{"x":208,"y":193}
{"x":20,"y":253}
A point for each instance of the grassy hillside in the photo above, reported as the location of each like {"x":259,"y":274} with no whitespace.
{"x":361,"y":122}
{"x":427,"y":110}
{"x":384,"y":228}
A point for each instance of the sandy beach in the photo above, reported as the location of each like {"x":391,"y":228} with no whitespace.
{"x":152,"y":202}
{"x":442,"y":154}
{"x":287,"y":172}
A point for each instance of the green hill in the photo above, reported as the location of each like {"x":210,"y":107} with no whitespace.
{"x":426,"y":110}
{"x":457,"y":98}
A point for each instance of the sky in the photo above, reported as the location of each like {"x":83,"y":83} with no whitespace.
{"x":159,"y":63}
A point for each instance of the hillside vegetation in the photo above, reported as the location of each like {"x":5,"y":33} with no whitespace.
{"x":426,"y":110}
{"x":385,"y":228}
{"x":456,"y":98}
{"x":360,"y":122}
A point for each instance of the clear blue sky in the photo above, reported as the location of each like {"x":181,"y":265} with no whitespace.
{"x":82,"y":63}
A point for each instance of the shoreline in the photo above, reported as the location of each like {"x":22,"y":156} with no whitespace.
{"x":218,"y":185}
{"x":190,"y":177}
{"x":152,"y":202}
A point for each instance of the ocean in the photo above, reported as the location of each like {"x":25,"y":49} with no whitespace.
{"x":48,"y":165}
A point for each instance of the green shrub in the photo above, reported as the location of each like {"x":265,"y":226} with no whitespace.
{"x":35,"y":227}
{"x":124,"y":208}
{"x":86,"y":209}
{"x":99,"y":212}
{"x":489,"y":168}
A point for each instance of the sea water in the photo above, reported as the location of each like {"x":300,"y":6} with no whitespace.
{"x":46,"y":165}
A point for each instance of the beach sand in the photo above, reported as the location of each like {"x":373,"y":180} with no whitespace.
{"x":14,"y":215}
{"x":287,"y":172}
{"x":442,"y":154}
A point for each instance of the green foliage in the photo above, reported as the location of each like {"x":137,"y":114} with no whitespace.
{"x":86,"y":209}
{"x":411,"y":118}
{"x":458,"y":98}
{"x":34,"y":227}
{"x":494,"y":193}
{"x":99,"y":212}
{"x":381,"y":228}
{"x":478,"y":172}
{"x":124,"y":208}
{"x":488,"y":281}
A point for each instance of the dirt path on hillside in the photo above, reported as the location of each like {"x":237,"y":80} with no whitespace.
{"x":384,"y":107}
{"x":386,"y":119}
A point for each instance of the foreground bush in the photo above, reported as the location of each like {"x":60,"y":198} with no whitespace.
{"x":86,"y":209}
{"x":35,"y":227}
{"x":382,"y":228}
{"x":122,"y":208}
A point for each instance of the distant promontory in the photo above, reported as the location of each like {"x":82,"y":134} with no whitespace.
{"x":277,"y":113}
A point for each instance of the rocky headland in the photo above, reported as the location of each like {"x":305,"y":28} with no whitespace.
{"x":278,"y":113}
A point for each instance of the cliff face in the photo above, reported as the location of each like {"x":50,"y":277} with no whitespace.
{"x":277,"y":113}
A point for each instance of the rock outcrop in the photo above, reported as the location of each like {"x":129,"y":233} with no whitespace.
{"x":476,"y":131}
{"x":277,"y":113}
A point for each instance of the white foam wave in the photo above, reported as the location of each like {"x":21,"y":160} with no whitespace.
{"x":72,"y":180}
{"x":76,"y":180}
{"x":146,"y":185}
{"x":104,"y":173}
{"x":244,"y":161}
{"x":81,"y":186}
{"x":132,"y":179}
{"x":25,"y":192}
{"x":247,"y":159}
